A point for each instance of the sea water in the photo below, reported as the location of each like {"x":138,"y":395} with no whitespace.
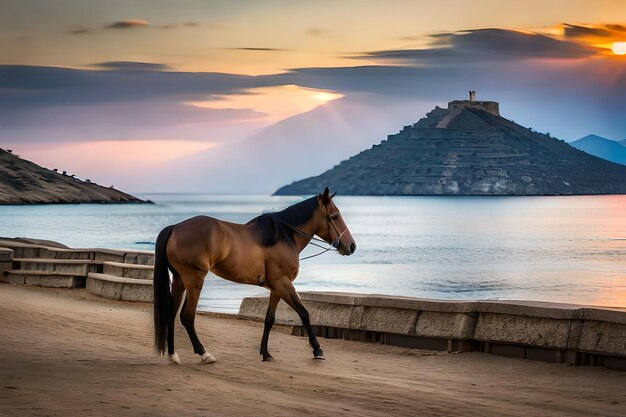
{"x":563,"y":249}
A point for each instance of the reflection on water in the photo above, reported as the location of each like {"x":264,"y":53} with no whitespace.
{"x":567,"y":249}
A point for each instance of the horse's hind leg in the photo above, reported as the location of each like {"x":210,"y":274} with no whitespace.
{"x":269,"y":322}
{"x":178,"y":290}
{"x":188,"y":317}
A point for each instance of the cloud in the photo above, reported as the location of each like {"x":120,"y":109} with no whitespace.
{"x":133,"y":66}
{"x":480,"y":45}
{"x":617,"y":28}
{"x":587,"y":31}
{"x":121,"y":101}
{"x":317,"y":31}
{"x":257,"y":49}
{"x":577,"y":31}
{"x":410,"y":38}
{"x":179,"y":25}
{"x":511,"y":43}
{"x":128,"y":24}
{"x":78,"y":29}
{"x":134,"y":23}
{"x":30,"y":86}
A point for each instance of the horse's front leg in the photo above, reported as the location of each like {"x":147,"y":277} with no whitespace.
{"x":269,"y":322}
{"x":287,"y":292}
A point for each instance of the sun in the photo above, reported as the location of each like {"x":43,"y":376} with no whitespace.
{"x":619,"y":48}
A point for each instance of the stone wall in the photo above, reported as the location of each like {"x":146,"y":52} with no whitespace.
{"x":492,"y":107}
{"x":551,"y":332}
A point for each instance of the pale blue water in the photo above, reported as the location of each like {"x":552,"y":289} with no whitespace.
{"x":565,"y":249}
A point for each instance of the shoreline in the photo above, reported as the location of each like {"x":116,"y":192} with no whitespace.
{"x":66,"y":352}
{"x":606,"y":297}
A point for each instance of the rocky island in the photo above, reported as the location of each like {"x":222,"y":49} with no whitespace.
{"x":24,"y":182}
{"x":468,"y":149}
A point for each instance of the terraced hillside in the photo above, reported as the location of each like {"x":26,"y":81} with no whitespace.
{"x":467,"y":150}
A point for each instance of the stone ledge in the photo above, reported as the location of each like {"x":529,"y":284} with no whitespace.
{"x":393,"y":301}
{"x":524,"y":330}
{"x":530,"y":329}
{"x":400,"y":315}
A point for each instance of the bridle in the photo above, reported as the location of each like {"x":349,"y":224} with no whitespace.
{"x":331,"y":222}
{"x":334,"y":245}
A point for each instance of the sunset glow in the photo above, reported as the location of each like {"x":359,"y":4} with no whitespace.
{"x":275,"y":103}
{"x":619,"y":48}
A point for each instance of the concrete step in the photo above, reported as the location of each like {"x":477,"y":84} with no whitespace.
{"x":78,"y":267}
{"x":127,"y":270}
{"x":43,"y":279}
{"x":119,"y":288}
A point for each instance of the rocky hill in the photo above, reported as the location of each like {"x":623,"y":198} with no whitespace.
{"x":602,"y":148}
{"x":24,"y":182}
{"x":468,"y":149}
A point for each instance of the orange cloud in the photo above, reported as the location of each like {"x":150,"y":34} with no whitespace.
{"x":127,"y":24}
{"x":601,"y":36}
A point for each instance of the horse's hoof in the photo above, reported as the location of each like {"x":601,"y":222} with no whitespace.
{"x":318,"y":354}
{"x":174,"y":358}
{"x":207,"y":358}
{"x":268,"y":358}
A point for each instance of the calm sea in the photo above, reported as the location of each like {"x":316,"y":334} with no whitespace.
{"x":565,"y":249}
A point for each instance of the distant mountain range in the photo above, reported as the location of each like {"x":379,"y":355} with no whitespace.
{"x":602,"y":148}
{"x":468,"y":149}
{"x":24,"y":182}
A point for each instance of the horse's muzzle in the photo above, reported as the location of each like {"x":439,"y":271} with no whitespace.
{"x":345,"y":249}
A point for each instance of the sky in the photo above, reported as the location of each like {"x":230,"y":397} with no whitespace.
{"x":246,"y":96}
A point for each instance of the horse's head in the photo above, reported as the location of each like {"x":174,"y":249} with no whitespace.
{"x":332,"y":228}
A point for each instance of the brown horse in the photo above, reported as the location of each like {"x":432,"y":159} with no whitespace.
{"x":263,"y":252}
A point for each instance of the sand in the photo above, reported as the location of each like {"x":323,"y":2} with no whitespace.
{"x":65,"y":352}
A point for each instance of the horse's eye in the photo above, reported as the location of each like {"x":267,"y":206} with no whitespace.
{"x":334,"y":216}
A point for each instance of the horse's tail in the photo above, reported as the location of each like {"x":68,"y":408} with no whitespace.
{"x":163,"y":301}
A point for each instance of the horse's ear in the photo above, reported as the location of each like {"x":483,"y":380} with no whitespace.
{"x":333,"y":194}
{"x":325,"y":197}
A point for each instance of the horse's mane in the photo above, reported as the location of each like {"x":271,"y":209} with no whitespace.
{"x":272,"y":228}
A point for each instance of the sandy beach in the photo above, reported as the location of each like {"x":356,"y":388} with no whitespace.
{"x":65,"y":352}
